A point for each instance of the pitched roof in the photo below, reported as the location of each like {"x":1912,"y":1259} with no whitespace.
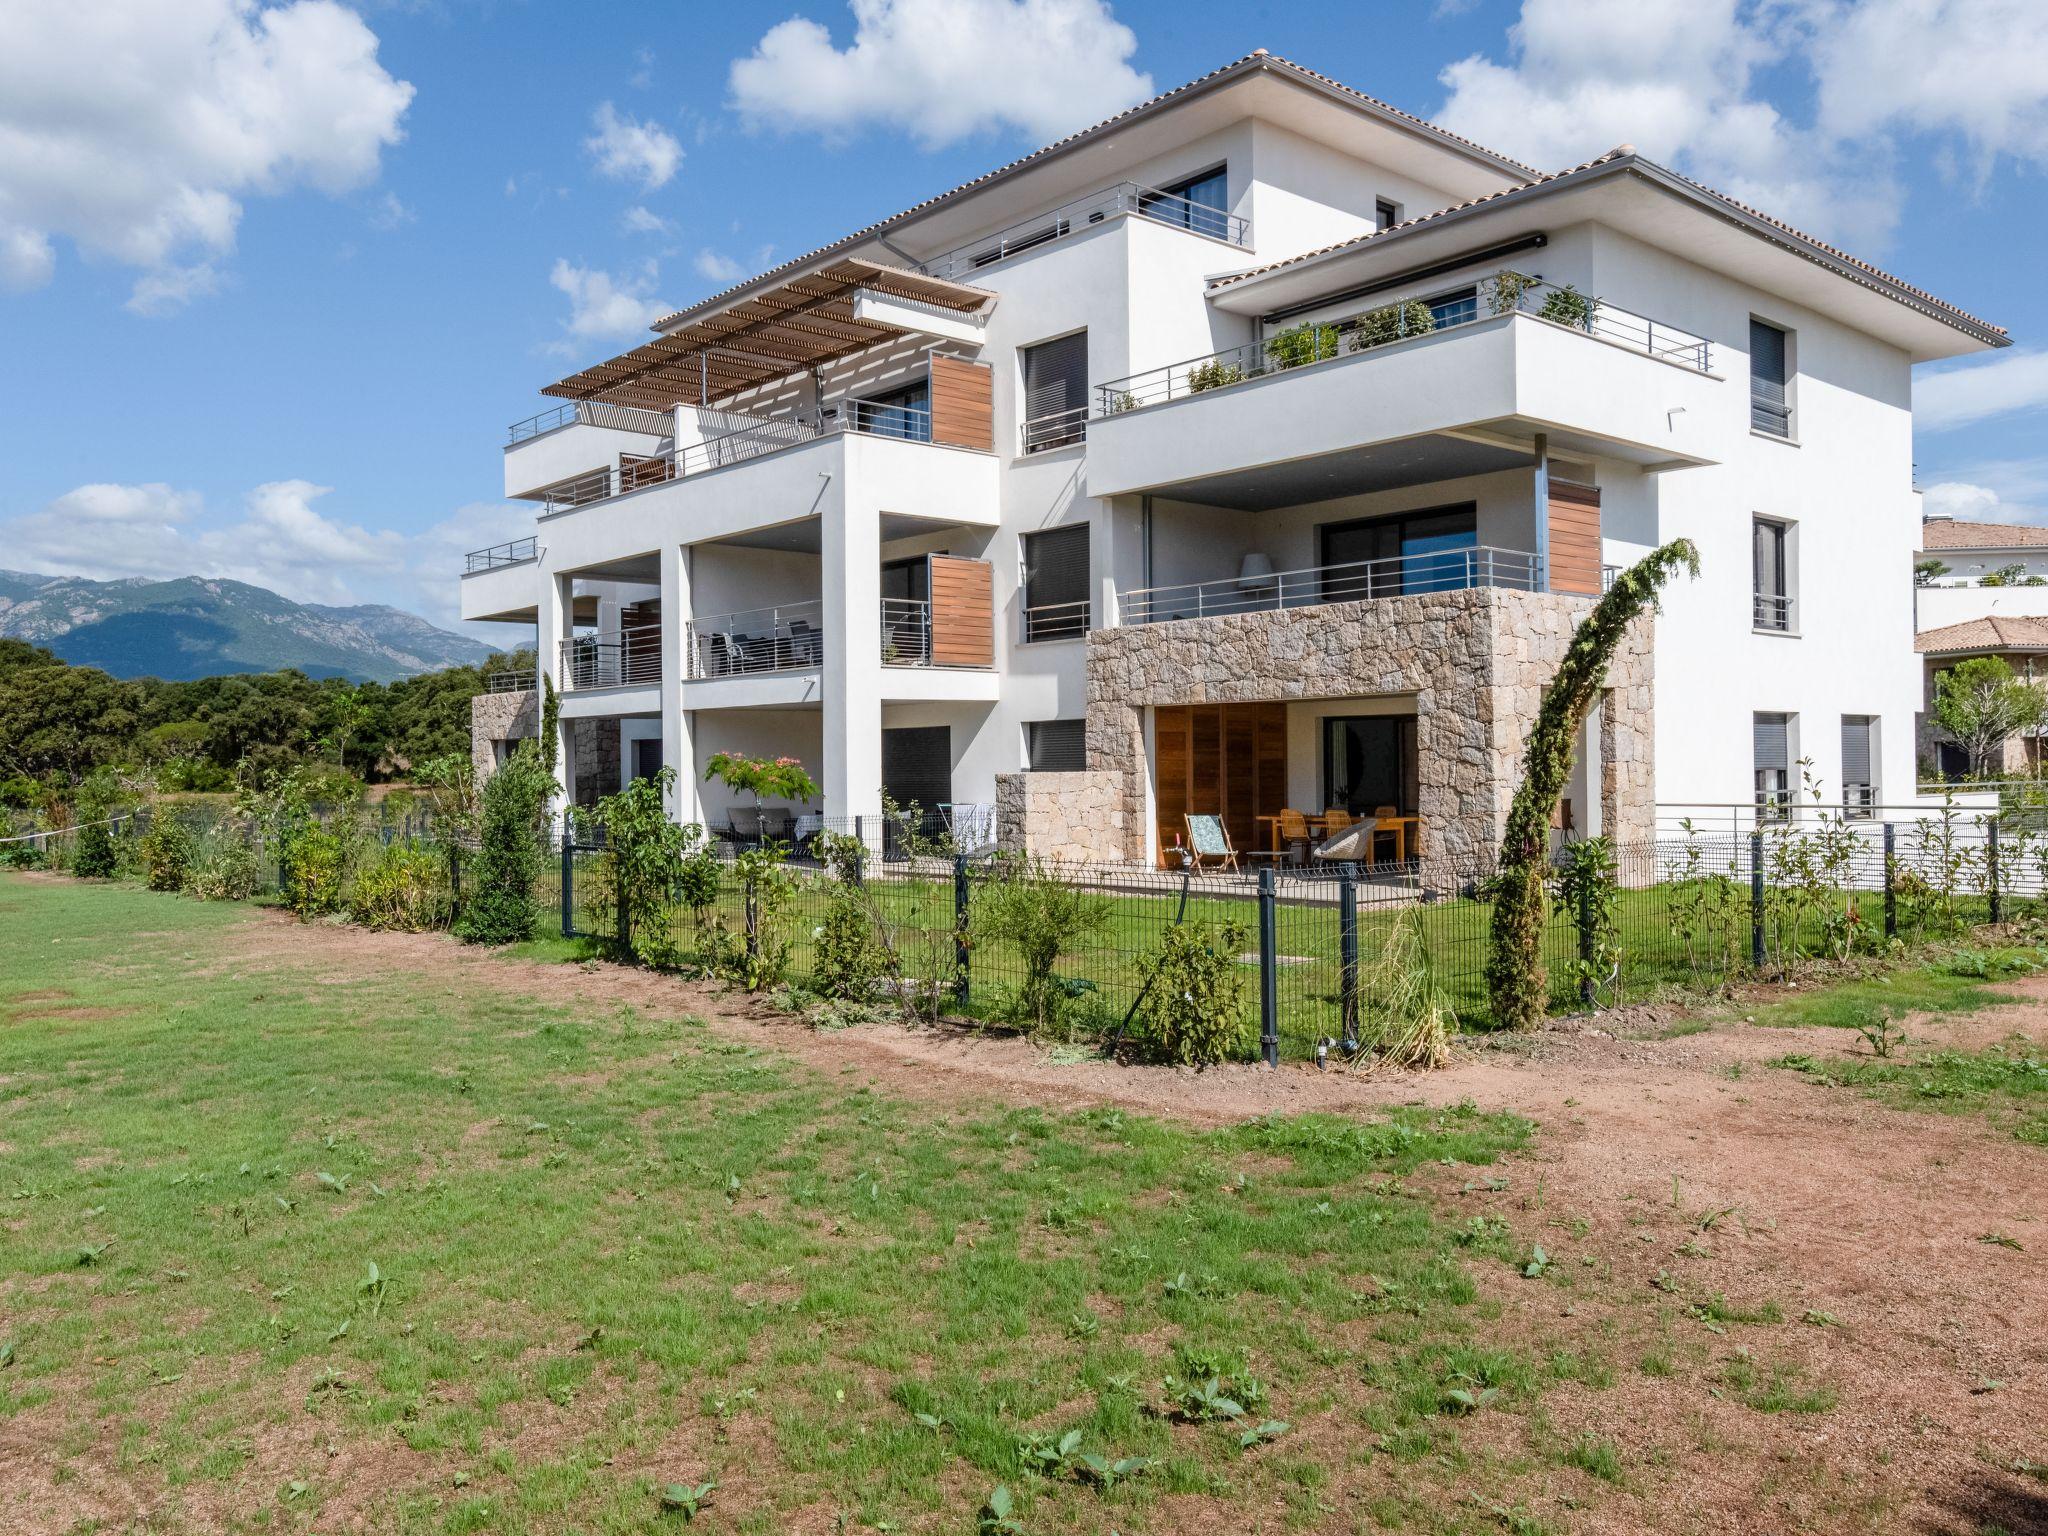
{"x":1625,"y":159}
{"x":1959,"y":533}
{"x":1998,"y":632}
{"x":1255,"y":61}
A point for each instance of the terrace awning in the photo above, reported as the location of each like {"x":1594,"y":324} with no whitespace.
{"x":800,"y":323}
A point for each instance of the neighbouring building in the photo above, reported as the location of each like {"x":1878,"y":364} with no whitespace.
{"x":1255,"y":450}
{"x":1979,"y":589}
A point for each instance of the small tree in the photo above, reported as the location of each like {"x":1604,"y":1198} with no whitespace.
{"x":2014,"y":575}
{"x":1927,"y":572}
{"x":1981,"y":703}
{"x":99,"y":798}
{"x":1194,"y":1010}
{"x":779,"y":778}
{"x":647,"y":852}
{"x":1514,"y":962}
{"x":498,"y":908}
{"x":1030,"y":906}
{"x":848,"y":955}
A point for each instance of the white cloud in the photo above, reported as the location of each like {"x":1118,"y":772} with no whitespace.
{"x":1679,"y":80}
{"x":637,"y":220}
{"x":1991,"y":490}
{"x":943,"y":70}
{"x":628,"y":150}
{"x":718,"y":268}
{"x":604,"y":306}
{"x":133,"y":128}
{"x":278,"y":540}
{"x":167,"y":289}
{"x":1958,"y":498}
{"x":391,"y":212}
{"x":1960,"y":397}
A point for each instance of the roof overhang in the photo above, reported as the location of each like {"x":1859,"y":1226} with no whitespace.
{"x":1657,"y":207}
{"x":1258,"y":85}
{"x":804,"y":321}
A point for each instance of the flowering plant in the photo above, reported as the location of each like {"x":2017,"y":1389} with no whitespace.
{"x":780,"y":778}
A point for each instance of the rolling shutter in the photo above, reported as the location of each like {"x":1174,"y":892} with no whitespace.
{"x":1058,"y":746}
{"x":917,"y":766}
{"x":1055,"y":392}
{"x":1771,"y":742}
{"x":1855,"y":751}
{"x":1769,"y":406}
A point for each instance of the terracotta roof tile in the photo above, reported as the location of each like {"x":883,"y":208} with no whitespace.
{"x":1959,"y":533}
{"x":1997,"y":632}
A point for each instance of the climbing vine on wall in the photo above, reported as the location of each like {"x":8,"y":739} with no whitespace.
{"x":1514,"y":964}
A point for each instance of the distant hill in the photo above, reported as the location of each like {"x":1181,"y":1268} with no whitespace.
{"x":196,"y":627}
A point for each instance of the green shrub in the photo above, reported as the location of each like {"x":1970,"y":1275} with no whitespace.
{"x":1304,"y":343}
{"x":1214,"y":374}
{"x":316,"y":872}
{"x":1568,"y":306}
{"x":1030,"y":906}
{"x":758,"y":954}
{"x":404,"y":888}
{"x":1393,"y":322}
{"x":499,"y":908}
{"x":848,"y":955}
{"x":1194,"y":1009}
{"x":167,"y":851}
{"x":227,"y":868}
{"x":98,"y":799}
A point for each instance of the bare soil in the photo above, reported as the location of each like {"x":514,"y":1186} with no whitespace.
{"x":1669,"y":1175}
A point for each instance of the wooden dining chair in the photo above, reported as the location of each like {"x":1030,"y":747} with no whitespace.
{"x":1293,"y":829}
{"x":1381,"y":813}
{"x":1335,"y":820}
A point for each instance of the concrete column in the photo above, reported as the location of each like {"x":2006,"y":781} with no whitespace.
{"x":678,"y":728}
{"x":850,"y":563}
{"x":555,"y":621}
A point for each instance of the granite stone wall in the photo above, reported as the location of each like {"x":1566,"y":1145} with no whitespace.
{"x":1077,"y":818}
{"x":496,"y":717}
{"x":1476,"y":662}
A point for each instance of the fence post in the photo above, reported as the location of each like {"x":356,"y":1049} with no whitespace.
{"x":1584,"y":917}
{"x":1991,"y":865}
{"x":1347,"y":948}
{"x":860,"y":862}
{"x":1756,"y":899}
{"x":960,"y":906}
{"x":455,"y":876}
{"x":1269,"y":970}
{"x":568,"y":883}
{"x":1891,"y":890}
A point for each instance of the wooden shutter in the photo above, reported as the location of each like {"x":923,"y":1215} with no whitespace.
{"x":963,"y":612}
{"x":963,"y":403}
{"x":1574,"y":538}
{"x":1170,"y":770}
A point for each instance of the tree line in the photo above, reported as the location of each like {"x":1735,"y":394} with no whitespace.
{"x":61,"y":724}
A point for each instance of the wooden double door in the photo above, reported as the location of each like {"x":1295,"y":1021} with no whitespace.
{"x":1227,"y":760}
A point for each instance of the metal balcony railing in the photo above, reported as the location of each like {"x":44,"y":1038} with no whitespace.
{"x":911,"y":423}
{"x":618,"y":659}
{"x":510,"y":682}
{"x":1055,"y":430}
{"x":1056,"y":621}
{"x":906,"y":632}
{"x":593,"y":413}
{"x":1448,"y":570}
{"x":1124,"y":197}
{"x":779,"y":639}
{"x":501,"y":554}
{"x":1773,"y":611}
{"x":1322,"y":342}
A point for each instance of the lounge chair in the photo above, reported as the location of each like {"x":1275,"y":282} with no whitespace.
{"x":1209,"y":839}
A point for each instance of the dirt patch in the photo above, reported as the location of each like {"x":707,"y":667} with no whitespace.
{"x":66,"y":1014}
{"x":1840,"y":1351}
{"x":52,"y":995}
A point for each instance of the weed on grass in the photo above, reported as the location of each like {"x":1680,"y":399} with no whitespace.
{"x":2007,"y":1081}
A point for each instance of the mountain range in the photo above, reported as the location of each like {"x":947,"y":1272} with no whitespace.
{"x":194,"y":626}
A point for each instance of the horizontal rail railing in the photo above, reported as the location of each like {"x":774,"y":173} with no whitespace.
{"x":911,"y":423}
{"x":510,"y":682}
{"x":906,"y":632}
{"x":513,"y":553}
{"x":1055,"y":430}
{"x":1772,"y":611}
{"x":786,"y":637}
{"x":593,"y":413}
{"x":1083,"y":213}
{"x":1324,"y":341}
{"x":618,"y":659}
{"x":1447,"y":570}
{"x":1057,"y":621}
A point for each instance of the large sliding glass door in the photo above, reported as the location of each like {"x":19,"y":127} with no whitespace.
{"x":1424,"y":551}
{"x":1369,"y":762}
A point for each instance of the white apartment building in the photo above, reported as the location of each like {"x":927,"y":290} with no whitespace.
{"x":1253,"y":450}
{"x":1979,"y":589}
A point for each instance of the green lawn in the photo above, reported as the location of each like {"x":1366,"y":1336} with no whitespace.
{"x":288,"y":1244}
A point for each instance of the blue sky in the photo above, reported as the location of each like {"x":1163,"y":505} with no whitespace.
{"x":274,"y":279}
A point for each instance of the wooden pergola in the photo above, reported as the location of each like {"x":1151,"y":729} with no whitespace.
{"x":802,"y":322}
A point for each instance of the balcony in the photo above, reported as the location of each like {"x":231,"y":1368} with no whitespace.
{"x":517,"y":552}
{"x":1494,"y":362}
{"x":590,"y":413}
{"x":1449,"y":570}
{"x":954,"y":628}
{"x":623,"y":658}
{"x":786,"y":638}
{"x":1121,"y":199}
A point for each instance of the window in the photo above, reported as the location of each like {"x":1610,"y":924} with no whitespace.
{"x":1773,"y":755}
{"x":1055,"y":392}
{"x":1771,"y":570}
{"x":1859,"y":758}
{"x":1394,"y":556}
{"x":1770,"y":400}
{"x":904,"y":413}
{"x":1369,"y":761}
{"x":1200,"y":203}
{"x":1459,"y":307}
{"x":1386,"y":214}
{"x":1056,"y":583}
{"x":1057,"y":746}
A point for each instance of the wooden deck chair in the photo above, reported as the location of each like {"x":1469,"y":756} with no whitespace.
{"x":1207,"y":839}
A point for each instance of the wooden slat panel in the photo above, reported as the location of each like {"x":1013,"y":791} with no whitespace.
{"x":963,"y":404}
{"x":1574,"y":538}
{"x":1205,"y":761}
{"x":963,"y":612}
{"x":1271,"y":756}
{"x":1170,"y":766}
{"x":1240,"y":775}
